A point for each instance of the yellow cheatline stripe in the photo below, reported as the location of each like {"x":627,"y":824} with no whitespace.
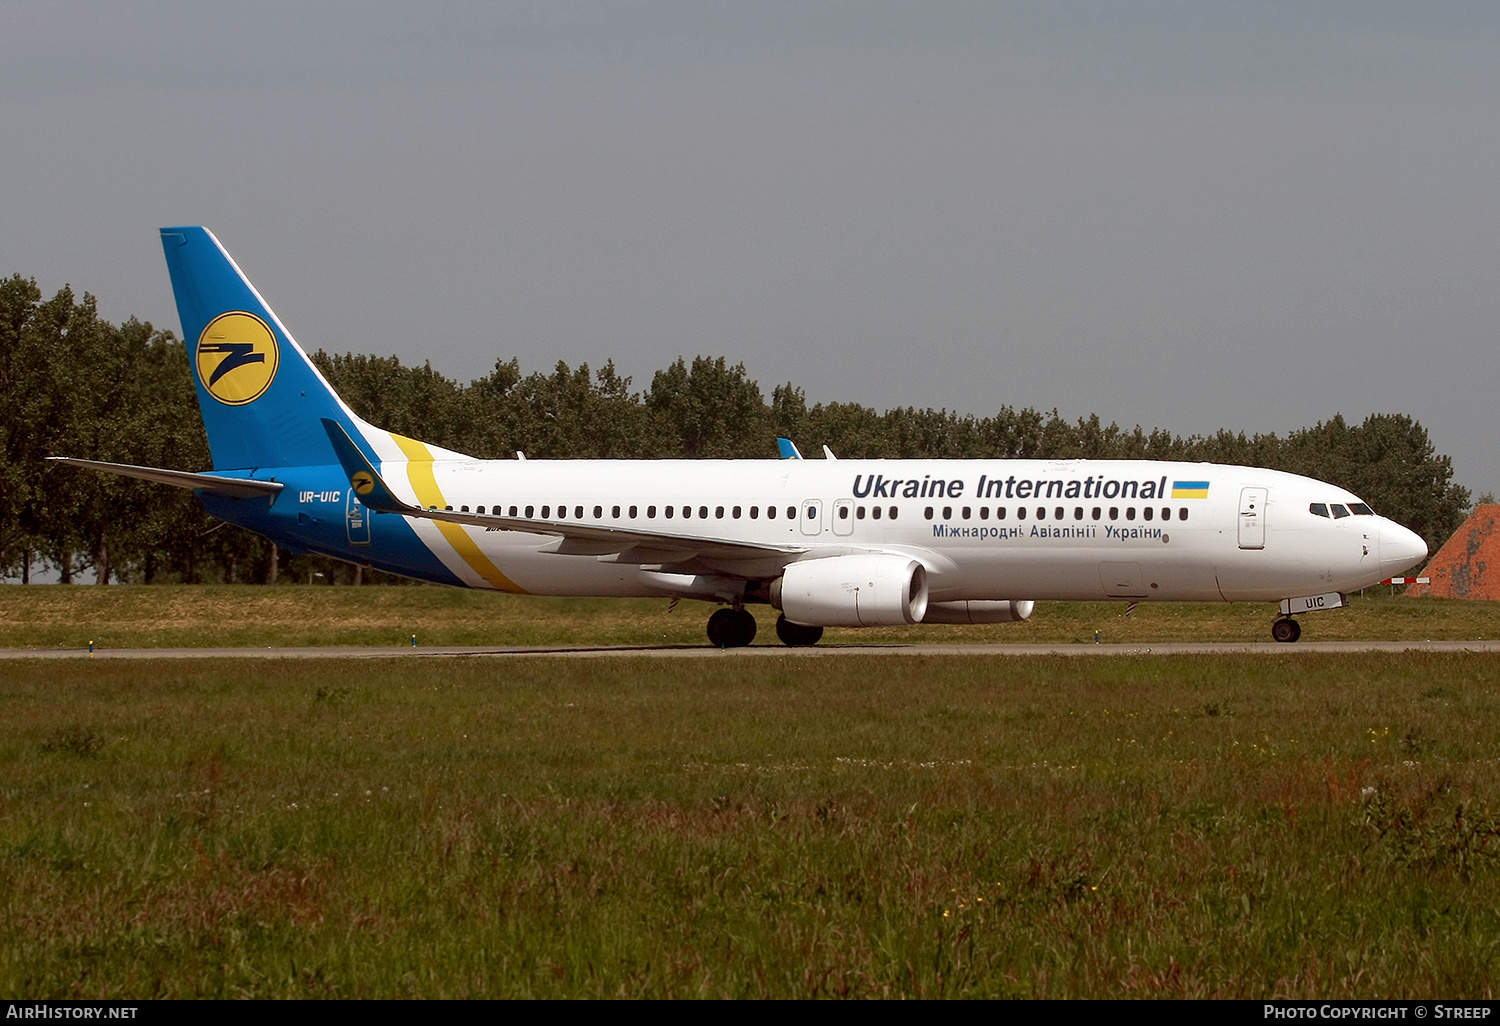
{"x":424,"y":483}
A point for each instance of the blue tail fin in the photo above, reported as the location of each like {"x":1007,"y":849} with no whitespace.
{"x":263,"y":401}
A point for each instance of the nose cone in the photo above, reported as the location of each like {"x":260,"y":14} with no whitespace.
{"x":1399,"y":549}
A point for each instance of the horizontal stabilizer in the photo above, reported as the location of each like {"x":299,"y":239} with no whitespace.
{"x":363,"y":477}
{"x":230,"y":487}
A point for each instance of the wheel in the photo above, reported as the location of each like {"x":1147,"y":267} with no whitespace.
{"x":744,"y":628}
{"x":721,"y":628}
{"x":796,"y":634}
{"x":1286,"y":629}
{"x":731,"y":628}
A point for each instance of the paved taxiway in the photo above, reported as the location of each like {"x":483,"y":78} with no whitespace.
{"x":756,"y":651}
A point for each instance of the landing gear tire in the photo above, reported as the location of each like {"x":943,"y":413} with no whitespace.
{"x":1286,"y":630}
{"x":731,"y":628}
{"x":797,"y":635}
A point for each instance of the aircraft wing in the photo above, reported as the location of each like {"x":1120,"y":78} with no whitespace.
{"x":232,"y":487}
{"x":627,"y":545}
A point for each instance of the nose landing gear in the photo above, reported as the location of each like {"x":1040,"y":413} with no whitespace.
{"x":1286,"y":629}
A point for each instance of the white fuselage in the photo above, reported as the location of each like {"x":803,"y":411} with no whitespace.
{"x":984,"y":529}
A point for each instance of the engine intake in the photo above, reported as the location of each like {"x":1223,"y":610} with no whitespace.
{"x":853,"y":591}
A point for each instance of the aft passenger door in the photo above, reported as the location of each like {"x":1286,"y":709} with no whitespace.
{"x":1252,"y":518}
{"x":357,"y":520}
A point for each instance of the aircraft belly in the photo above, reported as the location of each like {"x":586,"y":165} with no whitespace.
{"x":1083,"y":573}
{"x":1293,"y":563}
{"x":523,"y":559}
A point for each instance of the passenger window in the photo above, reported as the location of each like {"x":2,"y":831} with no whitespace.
{"x":615,"y":512}
{"x":669,"y":511}
{"x":632,"y":511}
{"x":1339,"y":512}
{"x":1148,"y":512}
{"x":1058,"y":513}
{"x":513,"y":511}
{"x":843,"y":512}
{"x":687,"y":512}
{"x":791,"y":512}
{"x":1114,"y":512}
{"x":875,"y":512}
{"x":927,"y":512}
{"x":859,"y":513}
{"x":1020,"y":512}
{"x":1166,"y":512}
{"x":1182,"y":513}
{"x":754,"y":512}
{"x":1318,"y":509}
{"x":546,"y":512}
{"x":530,"y":512}
{"x":984,"y":512}
{"x":736,"y":512}
{"x":1096,"y":512}
{"x":770,"y":512}
{"x":599,"y":512}
{"x":999,"y":512}
{"x":718,"y":512}
{"x":947,"y":512}
{"x":650,"y":512}
{"x":703,"y":512}
{"x":1130,"y":513}
{"x":892,"y":513}
{"x":812,"y":512}
{"x":1077,"y":512}
{"x":1041,"y":513}
{"x":966,"y":512}
{"x":578,"y":512}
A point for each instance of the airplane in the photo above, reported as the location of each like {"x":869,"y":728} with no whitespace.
{"x":827,"y":543}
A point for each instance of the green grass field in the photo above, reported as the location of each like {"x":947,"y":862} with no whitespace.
{"x":1323,"y":826}
{"x":190,"y":616}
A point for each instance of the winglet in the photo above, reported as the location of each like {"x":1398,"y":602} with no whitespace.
{"x":788,"y":449}
{"x":366,"y":481}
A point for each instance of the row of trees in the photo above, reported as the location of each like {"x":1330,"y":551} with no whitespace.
{"x":74,"y":384}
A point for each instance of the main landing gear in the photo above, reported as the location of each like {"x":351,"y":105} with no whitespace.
{"x":731,"y":628}
{"x":735,"y":628}
{"x":797,"y":635}
{"x":1286,"y":629}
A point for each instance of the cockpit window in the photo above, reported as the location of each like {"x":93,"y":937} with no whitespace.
{"x":1360,"y":509}
{"x":1318,"y":509}
{"x":1339,"y":512}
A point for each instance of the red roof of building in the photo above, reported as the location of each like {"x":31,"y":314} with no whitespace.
{"x":1468,"y":564}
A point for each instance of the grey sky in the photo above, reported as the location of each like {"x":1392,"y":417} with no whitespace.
{"x":1182,"y":215}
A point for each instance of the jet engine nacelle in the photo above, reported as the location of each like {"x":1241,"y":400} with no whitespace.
{"x":853,"y":591}
{"x":978,"y":612}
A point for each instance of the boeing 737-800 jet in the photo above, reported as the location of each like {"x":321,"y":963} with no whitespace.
{"x":850,"y":543}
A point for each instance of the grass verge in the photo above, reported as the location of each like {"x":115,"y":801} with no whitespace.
{"x":228,"y":615}
{"x":885,"y":826}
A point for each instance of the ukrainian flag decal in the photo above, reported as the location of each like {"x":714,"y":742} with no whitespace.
{"x":1189,"y":489}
